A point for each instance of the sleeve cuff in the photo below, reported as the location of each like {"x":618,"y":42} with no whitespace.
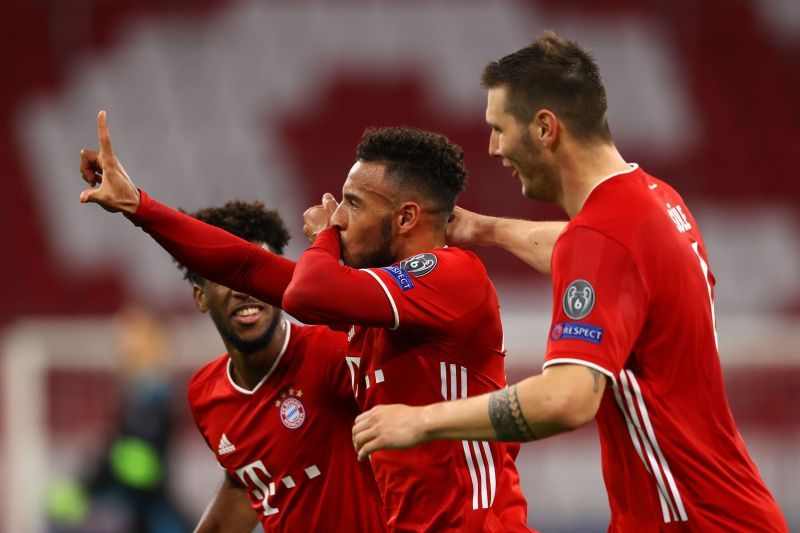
{"x":574,"y":361}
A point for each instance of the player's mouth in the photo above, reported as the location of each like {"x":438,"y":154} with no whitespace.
{"x":248,"y":313}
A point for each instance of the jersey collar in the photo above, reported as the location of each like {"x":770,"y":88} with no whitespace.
{"x":633,"y":166}
{"x":288,"y":330}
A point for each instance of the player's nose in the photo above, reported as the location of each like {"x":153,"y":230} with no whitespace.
{"x":494,"y":145}
{"x":339,"y":218}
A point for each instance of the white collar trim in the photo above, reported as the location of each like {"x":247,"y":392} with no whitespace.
{"x":288,"y":330}
{"x":633,"y":166}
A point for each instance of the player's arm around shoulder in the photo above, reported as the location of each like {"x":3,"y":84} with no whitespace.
{"x":531,"y":241}
{"x":563,"y":398}
{"x":229,"y":511}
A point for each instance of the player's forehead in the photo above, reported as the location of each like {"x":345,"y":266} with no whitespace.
{"x":496,"y":106}
{"x":366,"y":180}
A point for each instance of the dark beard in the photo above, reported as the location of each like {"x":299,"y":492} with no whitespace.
{"x":545,"y":188}
{"x":380,"y":255}
{"x":250,"y":347}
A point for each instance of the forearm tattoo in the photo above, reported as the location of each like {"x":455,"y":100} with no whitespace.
{"x":506,"y":415}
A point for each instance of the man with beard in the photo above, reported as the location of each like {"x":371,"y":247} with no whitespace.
{"x":424,"y":319}
{"x":265,"y":407}
{"x":632,"y":342}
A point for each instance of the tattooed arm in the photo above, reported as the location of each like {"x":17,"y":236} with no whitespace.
{"x":561,"y":399}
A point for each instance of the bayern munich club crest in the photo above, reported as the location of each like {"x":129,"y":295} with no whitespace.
{"x":420,"y":264}
{"x":291,"y":410}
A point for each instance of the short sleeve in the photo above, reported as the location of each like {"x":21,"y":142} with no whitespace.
{"x":429,"y":291}
{"x":600,"y":302}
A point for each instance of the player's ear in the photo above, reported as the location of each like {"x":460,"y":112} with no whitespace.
{"x":407,"y":217}
{"x":544,"y":128}
{"x":200,"y":297}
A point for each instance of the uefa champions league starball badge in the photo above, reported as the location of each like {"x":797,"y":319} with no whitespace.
{"x":420,"y":264}
{"x":291,"y":409}
{"x":578,"y":299}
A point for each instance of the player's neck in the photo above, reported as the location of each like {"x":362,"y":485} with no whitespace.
{"x":582,"y":169}
{"x":248,"y":369}
{"x":422,"y":241}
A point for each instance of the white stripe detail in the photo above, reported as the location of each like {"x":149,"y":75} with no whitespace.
{"x":379,"y":376}
{"x":443,"y":371}
{"x":631,"y":429}
{"x":492,"y":477}
{"x":366,"y":379}
{"x":388,"y":295}
{"x":474,"y":451}
{"x":312,"y":471}
{"x":482,"y":472}
{"x":453,"y":382}
{"x":288,"y":482}
{"x":667,"y":472}
{"x":472,"y":476}
{"x":571,"y":361}
{"x":655,"y":470}
{"x":288,"y":330}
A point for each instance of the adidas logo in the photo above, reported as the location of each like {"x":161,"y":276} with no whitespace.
{"x":225,"y":445}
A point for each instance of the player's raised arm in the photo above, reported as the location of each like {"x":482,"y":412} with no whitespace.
{"x":116,"y":191}
{"x":322,"y":290}
{"x":531,"y":241}
{"x":563,"y":398}
{"x":206,"y":250}
{"x":229,"y":510}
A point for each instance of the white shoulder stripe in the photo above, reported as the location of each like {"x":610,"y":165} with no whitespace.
{"x":388,"y":295}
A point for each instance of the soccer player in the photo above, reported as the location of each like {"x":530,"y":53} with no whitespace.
{"x":277,"y":408}
{"x":632,"y":341}
{"x":424,"y":319}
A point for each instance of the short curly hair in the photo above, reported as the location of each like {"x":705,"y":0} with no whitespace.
{"x":251,"y":221}
{"x":418,"y":160}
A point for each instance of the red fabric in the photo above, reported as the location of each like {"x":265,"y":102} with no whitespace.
{"x":308,"y":388}
{"x":214,"y":253}
{"x":325,"y":292}
{"x":673,"y":458}
{"x":448,"y":345}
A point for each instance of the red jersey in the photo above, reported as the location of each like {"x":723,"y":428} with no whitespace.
{"x":288,"y":441}
{"x":446,"y":343}
{"x":634,"y":299}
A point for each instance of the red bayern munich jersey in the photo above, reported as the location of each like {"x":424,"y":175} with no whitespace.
{"x":633,"y":298}
{"x":447,"y":343}
{"x":289,"y":440}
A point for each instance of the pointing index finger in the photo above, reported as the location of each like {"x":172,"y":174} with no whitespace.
{"x":103,"y":136}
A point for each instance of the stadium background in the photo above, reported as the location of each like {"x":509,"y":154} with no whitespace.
{"x":215,"y":99}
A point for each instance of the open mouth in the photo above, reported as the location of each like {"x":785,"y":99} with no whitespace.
{"x":247,"y":313}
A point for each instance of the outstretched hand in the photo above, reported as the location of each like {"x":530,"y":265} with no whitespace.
{"x":318,"y":217}
{"x":388,"y":427}
{"x":116,"y":191}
